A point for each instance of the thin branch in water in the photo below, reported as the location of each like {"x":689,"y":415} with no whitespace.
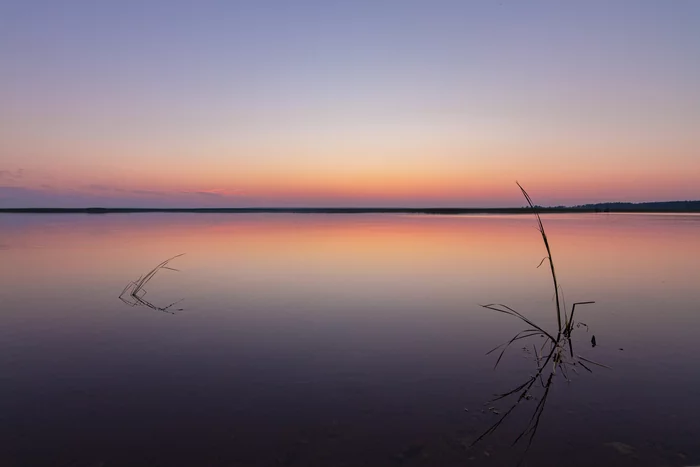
{"x":134,"y":292}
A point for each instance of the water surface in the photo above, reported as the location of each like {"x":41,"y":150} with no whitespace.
{"x":340,"y":340}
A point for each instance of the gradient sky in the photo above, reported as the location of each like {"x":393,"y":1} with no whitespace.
{"x":363,"y":103}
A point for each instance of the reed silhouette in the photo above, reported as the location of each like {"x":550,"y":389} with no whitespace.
{"x":554,"y":353}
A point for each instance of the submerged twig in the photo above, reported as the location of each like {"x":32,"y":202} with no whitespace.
{"x":134,"y":292}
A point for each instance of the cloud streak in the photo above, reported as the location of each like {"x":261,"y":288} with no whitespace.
{"x":11,"y":175}
{"x":100,"y":195}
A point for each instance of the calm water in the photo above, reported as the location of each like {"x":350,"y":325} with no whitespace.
{"x":340,"y":340}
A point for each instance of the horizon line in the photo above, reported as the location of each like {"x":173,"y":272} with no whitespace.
{"x":617,"y":206}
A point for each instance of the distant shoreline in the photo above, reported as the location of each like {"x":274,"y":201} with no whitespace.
{"x":691,"y":207}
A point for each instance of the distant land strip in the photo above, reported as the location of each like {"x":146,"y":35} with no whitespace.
{"x":653,"y":207}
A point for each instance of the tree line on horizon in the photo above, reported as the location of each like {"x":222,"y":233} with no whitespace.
{"x":651,"y":206}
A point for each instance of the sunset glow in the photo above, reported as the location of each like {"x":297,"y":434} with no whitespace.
{"x":235,"y":104}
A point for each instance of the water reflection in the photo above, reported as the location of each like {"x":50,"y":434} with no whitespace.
{"x":340,"y":340}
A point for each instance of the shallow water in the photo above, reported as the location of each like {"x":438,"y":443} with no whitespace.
{"x":332,"y":340}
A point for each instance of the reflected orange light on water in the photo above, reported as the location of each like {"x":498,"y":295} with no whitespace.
{"x":591,"y":251}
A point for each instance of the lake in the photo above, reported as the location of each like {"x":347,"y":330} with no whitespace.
{"x":342,"y":340}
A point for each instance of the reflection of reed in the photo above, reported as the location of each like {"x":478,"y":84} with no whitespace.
{"x":556,"y":351}
{"x":134,"y":292}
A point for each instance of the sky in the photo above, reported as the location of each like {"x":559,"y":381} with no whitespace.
{"x":354,"y":103}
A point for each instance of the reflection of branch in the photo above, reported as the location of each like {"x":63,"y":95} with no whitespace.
{"x":558,"y":343}
{"x":134,"y":292}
